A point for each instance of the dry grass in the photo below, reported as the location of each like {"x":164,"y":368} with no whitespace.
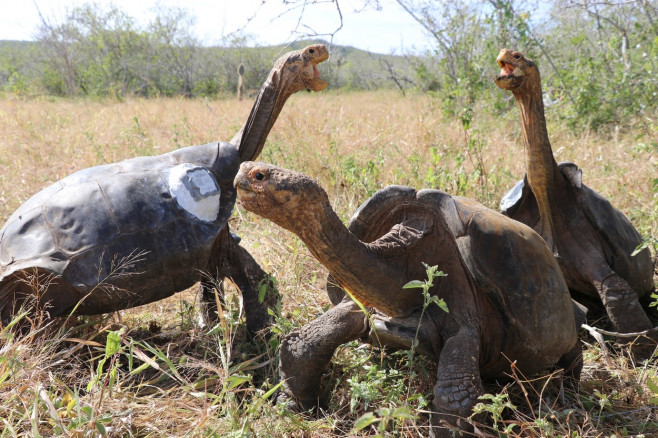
{"x":191,"y":383}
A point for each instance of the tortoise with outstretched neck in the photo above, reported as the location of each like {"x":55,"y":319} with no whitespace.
{"x":125,"y":234}
{"x":506,"y":296}
{"x":592,"y":240}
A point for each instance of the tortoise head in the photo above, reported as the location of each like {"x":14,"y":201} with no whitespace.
{"x":516,"y":70}
{"x":293,"y":72}
{"x":283,"y":196}
{"x":298,"y":69}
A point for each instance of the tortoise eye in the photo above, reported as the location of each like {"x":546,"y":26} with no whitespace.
{"x":517,"y":56}
{"x":311,"y":51}
{"x":259,"y":176}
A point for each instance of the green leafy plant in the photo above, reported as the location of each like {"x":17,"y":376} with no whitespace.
{"x":428,"y":298}
{"x":653,"y":387}
{"x":494,"y":405}
{"x":383,"y":418}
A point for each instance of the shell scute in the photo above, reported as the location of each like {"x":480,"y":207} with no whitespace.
{"x":26,"y":237}
{"x":137,"y":200}
{"x":76,"y":226}
{"x":378,"y":207}
{"x":446,"y":204}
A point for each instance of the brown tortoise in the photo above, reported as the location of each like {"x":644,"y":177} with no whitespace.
{"x":125,"y":234}
{"x":592,"y":240}
{"x":505,"y":293}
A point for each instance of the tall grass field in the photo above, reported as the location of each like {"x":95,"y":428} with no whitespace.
{"x":157,"y":371}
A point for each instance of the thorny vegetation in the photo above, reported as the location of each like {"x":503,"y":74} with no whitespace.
{"x":155,"y":371}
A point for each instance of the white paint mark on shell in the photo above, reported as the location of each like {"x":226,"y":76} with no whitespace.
{"x":195,"y":189}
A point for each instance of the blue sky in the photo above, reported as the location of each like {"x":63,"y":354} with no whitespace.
{"x":390,"y":30}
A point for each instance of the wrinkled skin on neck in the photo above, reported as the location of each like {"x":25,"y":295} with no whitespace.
{"x":298,"y":204}
{"x":291,"y":73}
{"x":521,"y":76}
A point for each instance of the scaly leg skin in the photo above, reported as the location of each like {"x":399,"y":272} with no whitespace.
{"x":247,"y":274}
{"x":234,"y":262}
{"x":305,"y":353}
{"x":458,"y":383}
{"x":625,"y":312}
{"x":210,"y":304}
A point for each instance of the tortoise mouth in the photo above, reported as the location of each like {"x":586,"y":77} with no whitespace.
{"x":244,"y":190}
{"x":506,"y":69}
{"x":510,"y":76}
{"x":317,"y":83}
{"x":248,"y":198}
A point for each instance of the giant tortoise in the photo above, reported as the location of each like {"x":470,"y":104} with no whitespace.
{"x":125,"y":234}
{"x":506,"y":297}
{"x":592,"y":240}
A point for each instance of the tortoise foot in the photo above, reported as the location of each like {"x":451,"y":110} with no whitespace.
{"x":622,"y":305}
{"x":309,"y":408}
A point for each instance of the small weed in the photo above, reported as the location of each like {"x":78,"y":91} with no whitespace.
{"x":384,"y":418}
{"x":428,"y":298}
{"x":494,"y":405}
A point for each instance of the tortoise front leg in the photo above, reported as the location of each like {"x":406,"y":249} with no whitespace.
{"x":211,"y":304}
{"x":625,"y":312}
{"x":622,"y":304}
{"x":458,"y":384}
{"x":249,"y":277}
{"x":234,"y":262}
{"x":305,"y":353}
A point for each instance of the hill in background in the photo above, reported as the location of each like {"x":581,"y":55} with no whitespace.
{"x":141,"y":69}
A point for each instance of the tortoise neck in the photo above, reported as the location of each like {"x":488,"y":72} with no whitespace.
{"x":365,"y":274}
{"x":538,"y":151}
{"x":540,"y":164}
{"x":270,"y":100}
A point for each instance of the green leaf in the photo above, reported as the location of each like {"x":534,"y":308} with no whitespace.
{"x":269,"y":393}
{"x":365,"y":420}
{"x":414,"y":284}
{"x":139,"y":369}
{"x":441,"y":303}
{"x":404,"y":412}
{"x":13,"y":322}
{"x":163,"y":357}
{"x":262,"y":290}
{"x":641,"y":247}
{"x":234,"y":381}
{"x":113,"y":342}
{"x":652,"y":385}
